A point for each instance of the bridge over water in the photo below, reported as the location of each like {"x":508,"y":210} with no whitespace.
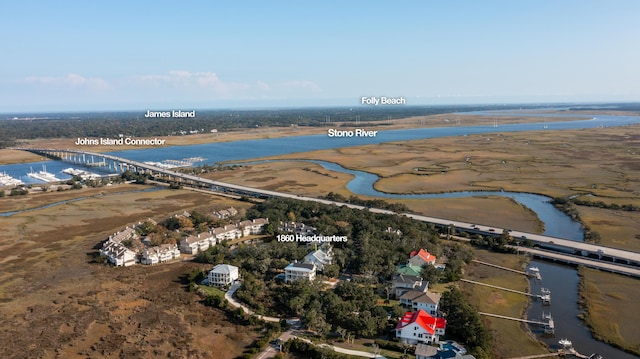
{"x":596,"y":256}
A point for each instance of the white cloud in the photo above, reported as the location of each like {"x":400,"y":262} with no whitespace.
{"x":304,"y":84}
{"x":70,"y":80}
{"x":263,"y":86}
{"x":187,"y":79}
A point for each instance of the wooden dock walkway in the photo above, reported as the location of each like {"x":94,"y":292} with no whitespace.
{"x":501,"y":288}
{"x":500,"y":267}
{"x":512,"y":318}
{"x":547,"y":355}
{"x":560,"y":353}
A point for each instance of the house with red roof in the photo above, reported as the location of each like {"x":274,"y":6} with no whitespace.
{"x":420,"y":327}
{"x":421,"y":258}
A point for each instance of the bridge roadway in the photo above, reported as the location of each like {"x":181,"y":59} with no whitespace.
{"x":595,"y":254}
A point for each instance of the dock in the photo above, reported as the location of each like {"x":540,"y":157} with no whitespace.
{"x":499,"y":267}
{"x":539,"y":296}
{"x":535,"y":322}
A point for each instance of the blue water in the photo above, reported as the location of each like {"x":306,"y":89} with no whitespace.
{"x":563,"y":282}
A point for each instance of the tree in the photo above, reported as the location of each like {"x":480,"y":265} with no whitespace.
{"x":431,"y":274}
{"x":463,"y":321}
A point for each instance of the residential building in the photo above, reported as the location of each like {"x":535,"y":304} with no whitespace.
{"x":127,"y":233}
{"x":297,"y":228}
{"x":297,"y":271}
{"x":421,"y":300}
{"x":198,"y":243}
{"x":117,"y":254}
{"x":254,"y":226}
{"x":420,"y":327}
{"x":402,"y":283}
{"x":160,"y":254}
{"x":225,"y":213}
{"x":223,"y":274}
{"x":226,"y":233}
{"x":421,"y":258}
{"x":320,"y":257}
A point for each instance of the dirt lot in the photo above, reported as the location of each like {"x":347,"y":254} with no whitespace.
{"x":56,"y":303}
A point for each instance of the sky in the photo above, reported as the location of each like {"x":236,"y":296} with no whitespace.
{"x":139,"y":55}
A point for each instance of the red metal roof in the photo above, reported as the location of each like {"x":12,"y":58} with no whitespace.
{"x":424,"y":255}
{"x":423,"y":319}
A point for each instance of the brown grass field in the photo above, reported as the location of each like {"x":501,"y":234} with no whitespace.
{"x":510,"y":338}
{"x":611,"y":302}
{"x":56,"y":303}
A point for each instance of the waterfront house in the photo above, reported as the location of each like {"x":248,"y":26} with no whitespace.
{"x":115,"y":250}
{"x":420,"y":327}
{"x":297,"y":271}
{"x":223,"y":274}
{"x":117,"y":254}
{"x":421,"y":300}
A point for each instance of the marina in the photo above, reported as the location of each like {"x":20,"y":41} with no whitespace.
{"x":43,"y":175}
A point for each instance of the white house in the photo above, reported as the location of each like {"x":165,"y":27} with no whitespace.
{"x":160,"y":254}
{"x":117,"y":254}
{"x":424,"y":300}
{"x":297,"y":271}
{"x":320,"y":257}
{"x":223,"y":274}
{"x":254,"y":226}
{"x":198,"y":243}
{"x":226,"y":233}
{"x":420,"y":327}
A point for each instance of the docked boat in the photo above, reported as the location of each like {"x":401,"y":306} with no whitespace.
{"x":6,"y":180}
{"x":80,"y":173}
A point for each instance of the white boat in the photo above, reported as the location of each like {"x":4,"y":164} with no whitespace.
{"x":6,"y":180}
{"x":80,"y":173}
{"x":43,"y":175}
{"x":566,"y":343}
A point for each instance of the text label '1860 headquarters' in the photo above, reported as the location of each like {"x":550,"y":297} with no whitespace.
{"x":309,"y":239}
